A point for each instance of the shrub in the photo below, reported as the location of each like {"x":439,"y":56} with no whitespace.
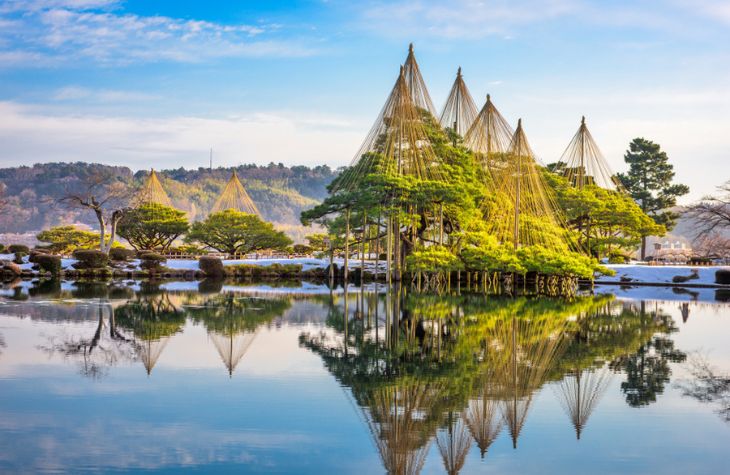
{"x":722,"y":276}
{"x":49,"y":263}
{"x":302,"y":249}
{"x":3,"y":249}
{"x":19,"y":257}
{"x":121,"y":254}
{"x":433,"y":259}
{"x":90,"y":259}
{"x":152,"y":261}
{"x":211,"y":266}
{"x":15,"y":248}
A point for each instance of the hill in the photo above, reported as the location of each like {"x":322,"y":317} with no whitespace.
{"x":31,"y":193}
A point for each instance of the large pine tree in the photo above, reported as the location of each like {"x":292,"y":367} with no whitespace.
{"x":649,"y":182}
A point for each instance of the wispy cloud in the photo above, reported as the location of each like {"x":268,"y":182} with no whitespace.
{"x":31,"y":134}
{"x":461,"y":18}
{"x":76,"y":93}
{"x":474,"y":19}
{"x":48,"y":33}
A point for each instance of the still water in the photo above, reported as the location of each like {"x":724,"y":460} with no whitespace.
{"x":300,"y":379}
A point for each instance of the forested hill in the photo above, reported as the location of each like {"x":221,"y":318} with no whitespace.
{"x":281,"y":193}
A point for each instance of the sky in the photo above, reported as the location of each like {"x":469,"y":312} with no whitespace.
{"x":149,"y":83}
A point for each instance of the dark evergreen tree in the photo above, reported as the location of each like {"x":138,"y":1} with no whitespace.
{"x":649,"y":182}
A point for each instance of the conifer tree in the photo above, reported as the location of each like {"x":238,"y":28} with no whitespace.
{"x":649,"y":182}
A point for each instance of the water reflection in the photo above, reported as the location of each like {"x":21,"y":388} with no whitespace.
{"x":233,"y":322}
{"x":429,"y":376}
{"x":457,"y":368}
{"x":708,"y":385}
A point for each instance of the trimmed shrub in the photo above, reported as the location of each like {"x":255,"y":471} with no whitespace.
{"x":121,"y":254}
{"x":15,"y":248}
{"x":211,"y":266}
{"x":19,"y":257}
{"x":3,"y":249}
{"x":90,"y":259}
{"x":302,"y":249}
{"x":722,"y":276}
{"x":48,"y":263}
{"x":152,"y":261}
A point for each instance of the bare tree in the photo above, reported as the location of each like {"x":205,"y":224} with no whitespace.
{"x":108,"y":197}
{"x":712,"y":245}
{"x":712,"y":213}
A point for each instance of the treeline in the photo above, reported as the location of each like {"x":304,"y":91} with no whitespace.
{"x":31,"y":194}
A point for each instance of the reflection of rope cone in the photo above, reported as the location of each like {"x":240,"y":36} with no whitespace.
{"x":579,"y":394}
{"x":150,"y":351}
{"x":232,"y":347}
{"x":396,"y":419}
{"x":234,"y":196}
{"x":484,"y":421}
{"x":530,"y":346}
{"x":454,"y":445}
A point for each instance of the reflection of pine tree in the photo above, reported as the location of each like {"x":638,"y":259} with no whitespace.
{"x":647,"y":371}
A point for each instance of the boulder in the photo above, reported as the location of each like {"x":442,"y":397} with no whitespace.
{"x":10,"y":268}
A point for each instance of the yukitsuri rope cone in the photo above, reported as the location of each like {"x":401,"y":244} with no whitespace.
{"x":397,"y":143}
{"x":489,"y":135}
{"x":460,"y":110}
{"x":234,"y":196}
{"x":526,"y":212}
{"x":152,"y":191}
{"x":416,"y":85}
{"x":582,"y":162}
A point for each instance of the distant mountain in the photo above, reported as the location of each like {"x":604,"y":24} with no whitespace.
{"x":31,"y":193}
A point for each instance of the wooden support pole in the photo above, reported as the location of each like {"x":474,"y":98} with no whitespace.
{"x":347,"y":243}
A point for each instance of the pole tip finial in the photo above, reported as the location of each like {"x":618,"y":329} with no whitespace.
{"x":410,"y":47}
{"x":489,"y":98}
{"x":458,"y":71}
{"x":519,"y":122}
{"x":583,"y":120}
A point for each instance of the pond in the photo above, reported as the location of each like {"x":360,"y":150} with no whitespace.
{"x":299,"y":378}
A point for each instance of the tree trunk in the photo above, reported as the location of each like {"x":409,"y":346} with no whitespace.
{"x":102,"y":229}
{"x":643,"y":248}
{"x":106,"y":246}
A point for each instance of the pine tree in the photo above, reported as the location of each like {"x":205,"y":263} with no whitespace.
{"x":649,"y":182}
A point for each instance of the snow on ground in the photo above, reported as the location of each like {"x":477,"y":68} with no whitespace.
{"x":660,"y":274}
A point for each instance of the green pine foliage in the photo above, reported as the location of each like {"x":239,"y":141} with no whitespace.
{"x":234,"y":232}
{"x":152,"y":226}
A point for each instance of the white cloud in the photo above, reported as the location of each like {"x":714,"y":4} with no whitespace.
{"x":474,"y":19}
{"x":52,"y":32}
{"x":75,"y":93}
{"x":30,"y":135}
{"x":460,"y":18}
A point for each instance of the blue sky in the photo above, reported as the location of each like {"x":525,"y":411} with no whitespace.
{"x":160,"y":82}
